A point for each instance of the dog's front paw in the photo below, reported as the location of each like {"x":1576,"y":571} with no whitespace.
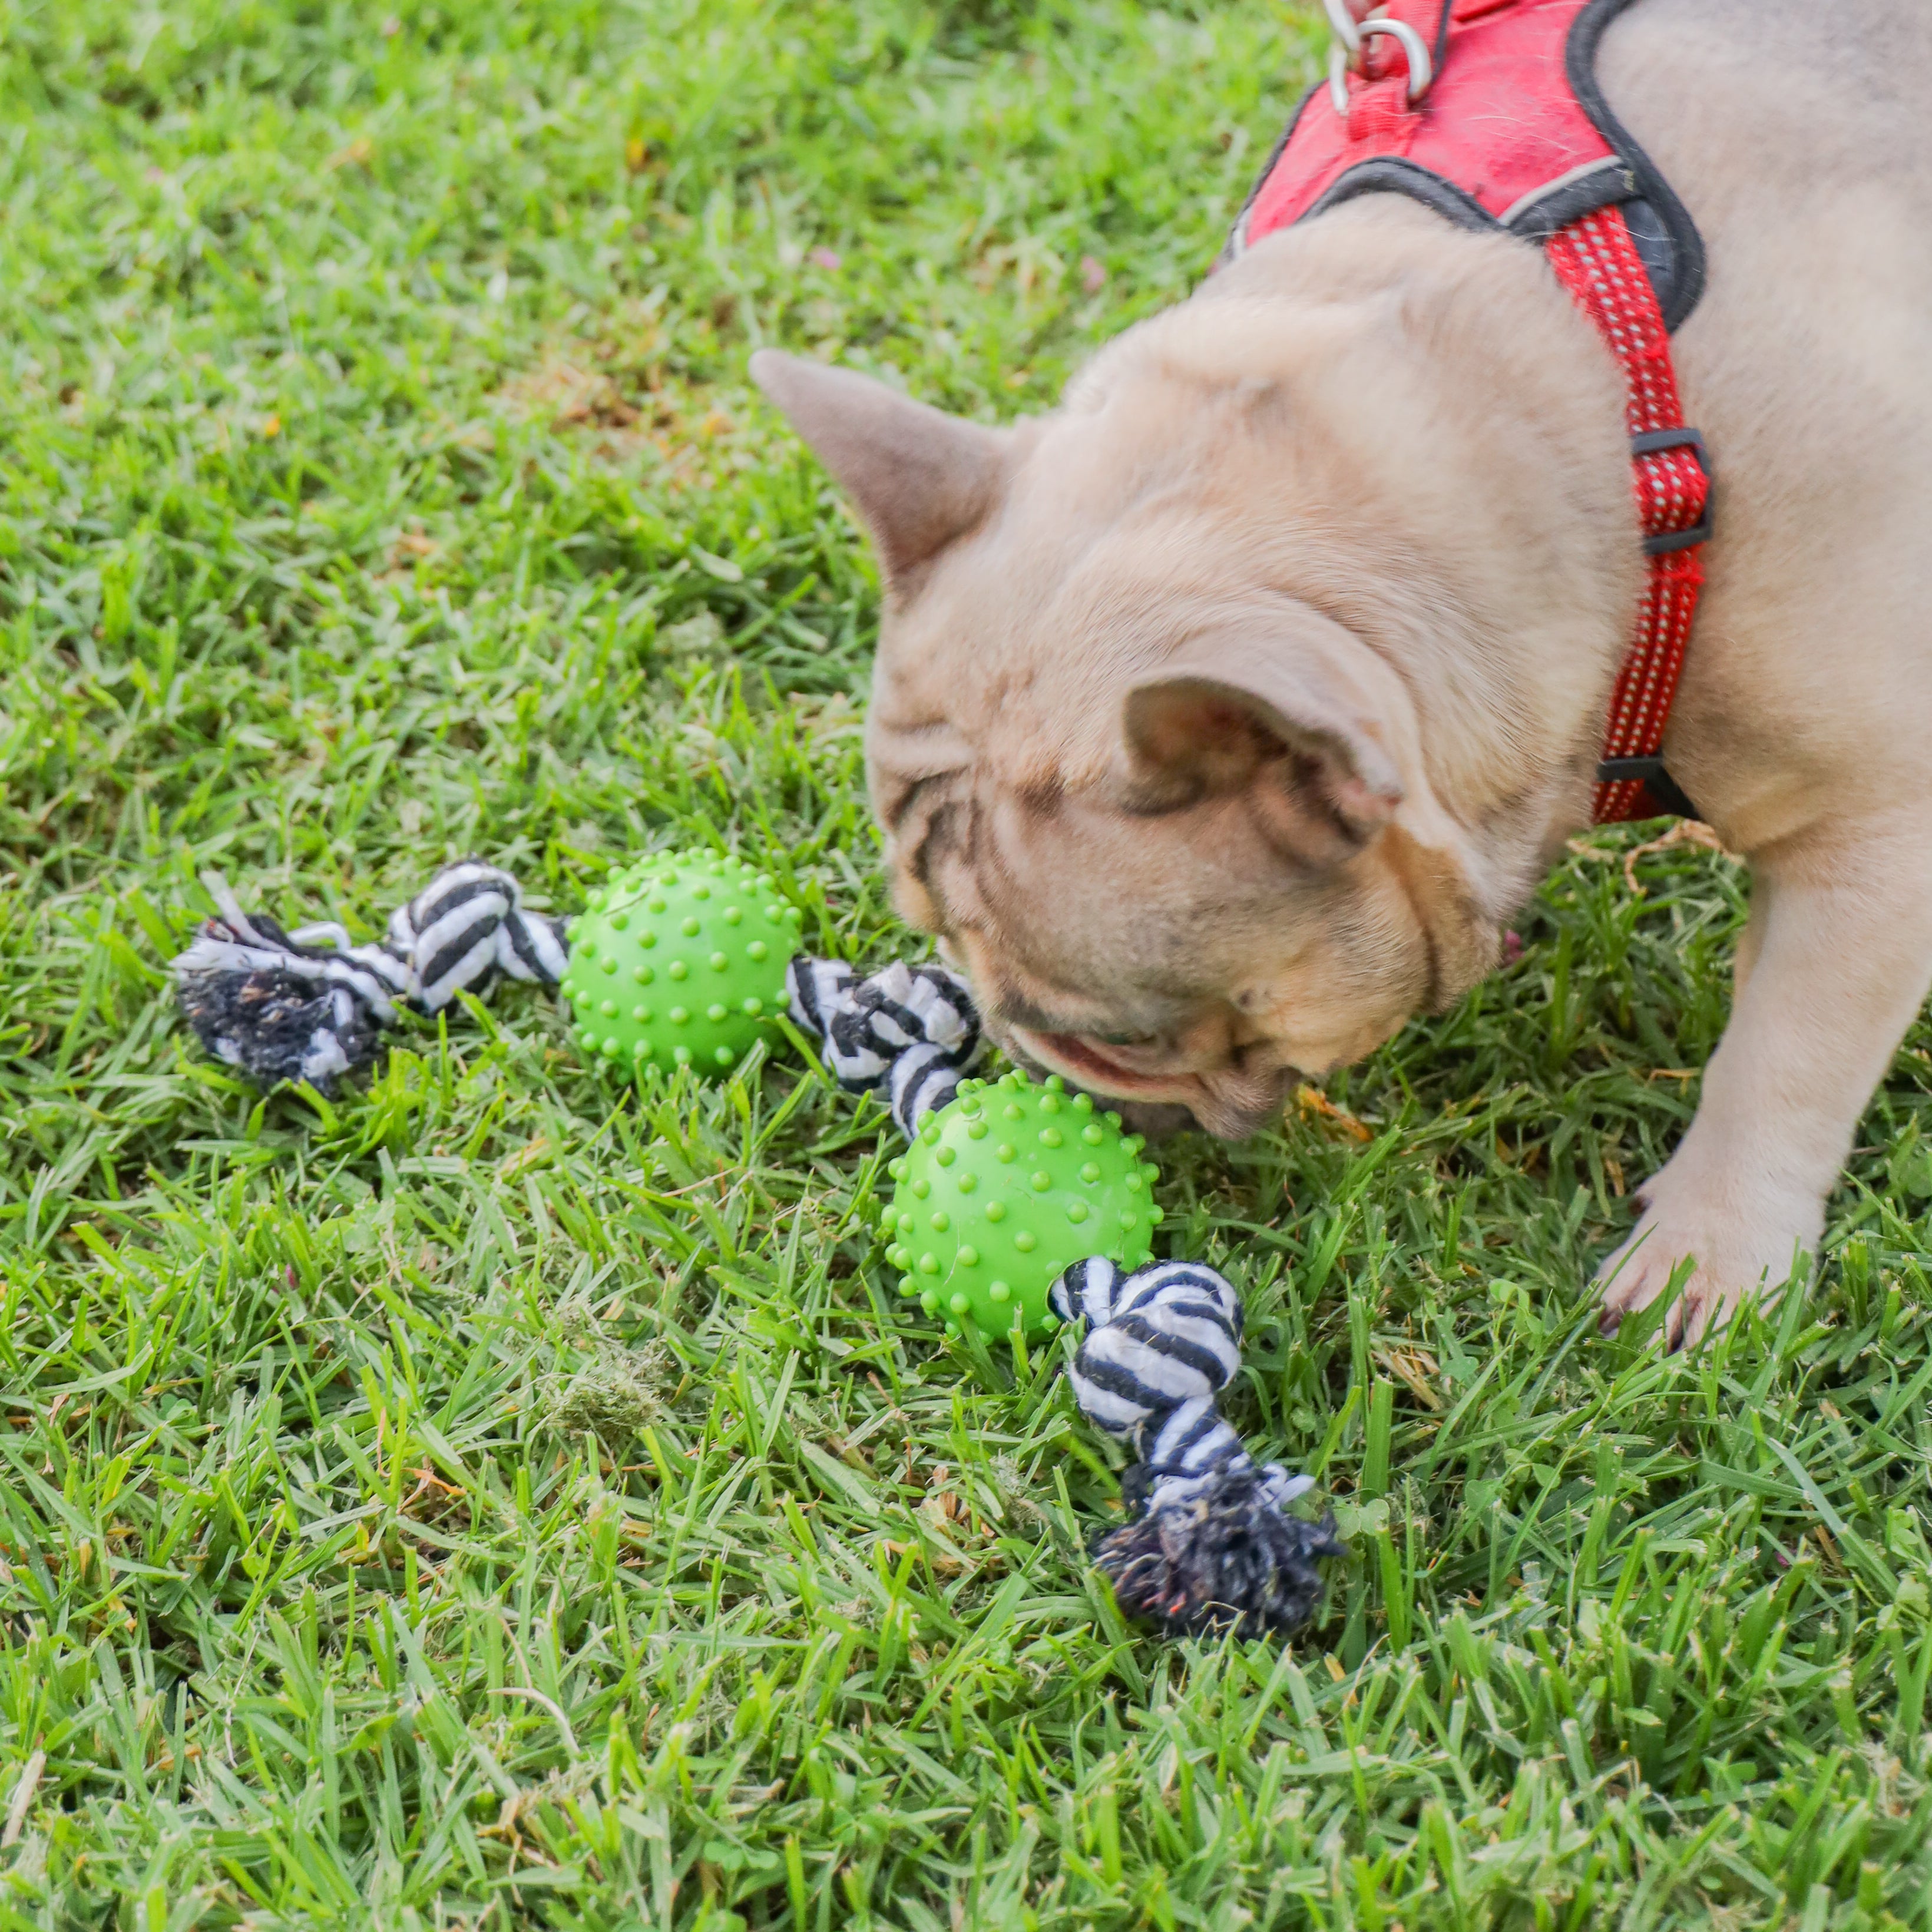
{"x":1738,"y":1247}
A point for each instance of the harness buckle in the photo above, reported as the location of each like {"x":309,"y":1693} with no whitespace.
{"x":1666,"y":793}
{"x":1651,"y":443}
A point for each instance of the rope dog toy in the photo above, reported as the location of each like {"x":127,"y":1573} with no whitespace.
{"x":906,"y":1035}
{"x":307,"y":1005}
{"x":1212,"y":1543}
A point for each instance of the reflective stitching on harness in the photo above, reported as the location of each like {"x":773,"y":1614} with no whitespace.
{"x":1597,"y":262}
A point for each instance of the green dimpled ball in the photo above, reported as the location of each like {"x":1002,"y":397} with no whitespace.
{"x":679,"y":960}
{"x":1005,"y":1188}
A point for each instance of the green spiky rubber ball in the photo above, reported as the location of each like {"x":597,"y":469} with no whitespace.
{"x":679,"y":960}
{"x":1005,"y":1188}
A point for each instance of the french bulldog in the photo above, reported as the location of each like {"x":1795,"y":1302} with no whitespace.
{"x":1224,"y":716}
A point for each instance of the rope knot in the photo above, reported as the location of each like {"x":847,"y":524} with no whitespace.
{"x":308,"y":1005}
{"x":906,"y":1036}
{"x":1213,"y":1543}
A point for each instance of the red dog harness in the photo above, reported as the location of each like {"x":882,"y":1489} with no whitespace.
{"x":1488,"y":111}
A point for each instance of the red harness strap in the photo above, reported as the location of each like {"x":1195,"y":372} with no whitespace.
{"x":1596,"y":260}
{"x":1505,"y":128}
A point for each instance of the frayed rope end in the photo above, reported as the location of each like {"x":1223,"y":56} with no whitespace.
{"x":1229,"y":1556}
{"x":272,"y":1026}
{"x":1212,"y":1544}
{"x":308,"y":1006}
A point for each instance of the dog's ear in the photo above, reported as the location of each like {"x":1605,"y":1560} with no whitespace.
{"x":1283,"y":721}
{"x":920,"y":478}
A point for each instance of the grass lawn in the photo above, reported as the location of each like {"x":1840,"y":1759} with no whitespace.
{"x":496,"y":1500}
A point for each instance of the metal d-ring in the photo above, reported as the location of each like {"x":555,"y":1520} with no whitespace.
{"x":1421,"y":68}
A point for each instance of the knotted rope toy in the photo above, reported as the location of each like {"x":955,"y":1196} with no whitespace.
{"x":906,"y":1035}
{"x":1212,"y":1544}
{"x":309,"y":1006}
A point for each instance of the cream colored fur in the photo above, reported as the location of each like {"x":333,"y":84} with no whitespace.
{"x":1224,"y":716}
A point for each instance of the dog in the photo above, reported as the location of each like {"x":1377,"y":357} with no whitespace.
{"x":1224,"y":716}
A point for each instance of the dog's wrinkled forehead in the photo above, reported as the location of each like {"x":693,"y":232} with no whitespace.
{"x":1068,"y":897}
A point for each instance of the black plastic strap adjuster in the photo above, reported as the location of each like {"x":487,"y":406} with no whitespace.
{"x":1648,"y":772}
{"x":1649,"y":442}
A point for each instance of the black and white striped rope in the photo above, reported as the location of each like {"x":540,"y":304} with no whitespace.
{"x":907,"y":1035}
{"x":1212,"y":1542}
{"x":308,"y":1005}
